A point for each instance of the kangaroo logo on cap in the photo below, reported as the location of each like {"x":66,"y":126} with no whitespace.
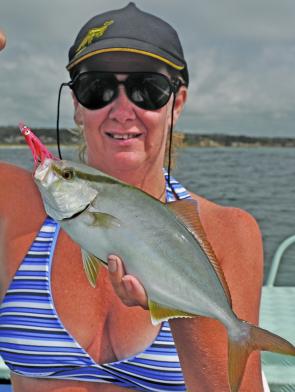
{"x":96,"y":32}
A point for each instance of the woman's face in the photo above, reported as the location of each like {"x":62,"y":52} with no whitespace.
{"x":121,"y":137}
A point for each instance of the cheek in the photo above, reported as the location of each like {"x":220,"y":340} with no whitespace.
{"x":156,"y":124}
{"x":156,"y":121}
{"x":159,"y":119}
{"x":91,"y":121}
{"x":91,"y":118}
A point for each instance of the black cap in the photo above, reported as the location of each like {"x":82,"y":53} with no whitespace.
{"x":129,"y":30}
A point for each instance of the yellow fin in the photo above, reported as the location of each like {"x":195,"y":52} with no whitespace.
{"x":187,"y":211}
{"x":102,"y":219}
{"x":160,"y":314}
{"x":91,"y":266}
{"x":250,"y":338}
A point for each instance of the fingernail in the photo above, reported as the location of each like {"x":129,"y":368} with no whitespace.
{"x":112,"y":264}
{"x":127,"y":285}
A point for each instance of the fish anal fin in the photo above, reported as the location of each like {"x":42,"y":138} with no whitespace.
{"x":160,"y":314}
{"x":187,"y":211}
{"x":91,"y":266}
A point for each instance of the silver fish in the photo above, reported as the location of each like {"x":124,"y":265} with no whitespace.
{"x":163,"y":245}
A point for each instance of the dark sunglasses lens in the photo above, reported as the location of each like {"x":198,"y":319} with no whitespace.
{"x":94,"y":91}
{"x":149,"y":91}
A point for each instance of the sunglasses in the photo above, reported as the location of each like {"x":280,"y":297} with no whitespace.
{"x":150,"y":91}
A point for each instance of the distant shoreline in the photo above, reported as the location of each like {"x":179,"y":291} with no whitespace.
{"x":10,"y":136}
{"x":22,"y":145}
{"x":223,"y":140}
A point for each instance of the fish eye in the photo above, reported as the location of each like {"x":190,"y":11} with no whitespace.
{"x":67,"y":174}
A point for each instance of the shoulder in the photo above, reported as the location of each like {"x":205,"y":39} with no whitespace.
{"x":8,"y":169}
{"x":19,"y":197}
{"x":21,"y":215}
{"x":236,"y":239}
{"x":10,"y":174}
{"x":230,"y":223}
{"x":17,"y":186}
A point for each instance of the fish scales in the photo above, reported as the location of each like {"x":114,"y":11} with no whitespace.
{"x":147,"y":240}
{"x":106,"y":216}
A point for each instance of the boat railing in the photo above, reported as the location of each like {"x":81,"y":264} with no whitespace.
{"x":277,"y":315}
{"x":277,"y":260}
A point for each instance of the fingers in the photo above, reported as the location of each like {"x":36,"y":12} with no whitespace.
{"x":127,"y":287}
{"x":2,"y":40}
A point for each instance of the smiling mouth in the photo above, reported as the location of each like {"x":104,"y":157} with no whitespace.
{"x":125,"y":136}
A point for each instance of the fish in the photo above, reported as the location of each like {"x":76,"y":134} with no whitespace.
{"x":163,"y":245}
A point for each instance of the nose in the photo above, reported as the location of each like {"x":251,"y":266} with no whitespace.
{"x":122,"y":109}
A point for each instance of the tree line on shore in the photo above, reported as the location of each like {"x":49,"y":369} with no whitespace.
{"x":11,"y":135}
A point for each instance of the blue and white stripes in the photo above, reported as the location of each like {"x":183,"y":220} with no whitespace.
{"x":34,"y":343}
{"x":175,"y":190}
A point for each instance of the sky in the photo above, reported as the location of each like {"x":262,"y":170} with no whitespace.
{"x":240,"y":54}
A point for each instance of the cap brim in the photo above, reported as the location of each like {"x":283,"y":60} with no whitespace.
{"x":125,"y":45}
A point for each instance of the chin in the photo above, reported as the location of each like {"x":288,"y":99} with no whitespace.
{"x":120,"y":162}
{"x":126,"y":161}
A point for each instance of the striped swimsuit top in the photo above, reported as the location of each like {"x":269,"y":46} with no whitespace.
{"x":34,"y":343}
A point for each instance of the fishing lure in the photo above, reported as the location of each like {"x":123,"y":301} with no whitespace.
{"x":39,"y":151}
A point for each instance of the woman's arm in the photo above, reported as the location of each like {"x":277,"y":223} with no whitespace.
{"x":202,"y":342}
{"x":21,"y":214}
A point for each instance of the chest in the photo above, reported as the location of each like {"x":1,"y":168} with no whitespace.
{"x":95,"y":317}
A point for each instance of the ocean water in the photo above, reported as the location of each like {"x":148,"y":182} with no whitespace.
{"x":259,"y":180}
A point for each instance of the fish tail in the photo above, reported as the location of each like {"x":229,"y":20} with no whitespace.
{"x":250,"y":338}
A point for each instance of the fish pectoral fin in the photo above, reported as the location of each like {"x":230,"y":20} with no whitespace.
{"x":187,"y":211}
{"x":160,"y":314}
{"x":91,"y":266}
{"x":104,"y":220}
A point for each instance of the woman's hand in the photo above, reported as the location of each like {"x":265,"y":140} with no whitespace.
{"x":2,"y":40}
{"x":127,"y":287}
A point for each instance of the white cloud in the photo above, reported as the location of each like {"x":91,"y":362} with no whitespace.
{"x":241,"y":56}
{"x":263,"y":83}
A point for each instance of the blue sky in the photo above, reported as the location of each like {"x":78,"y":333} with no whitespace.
{"x":241,"y":56}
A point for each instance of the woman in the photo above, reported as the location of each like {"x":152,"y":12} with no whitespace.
{"x":53,"y":336}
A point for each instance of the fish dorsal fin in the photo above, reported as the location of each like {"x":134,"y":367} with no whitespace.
{"x":186,"y":211}
{"x":91,"y":266}
{"x":160,"y":314}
